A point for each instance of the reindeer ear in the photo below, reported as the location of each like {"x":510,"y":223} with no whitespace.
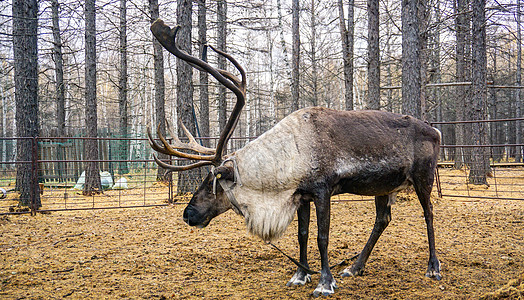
{"x":224,"y":172}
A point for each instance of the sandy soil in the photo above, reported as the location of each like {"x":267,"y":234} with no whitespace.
{"x":151,"y":253}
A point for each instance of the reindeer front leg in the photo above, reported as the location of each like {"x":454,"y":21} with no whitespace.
{"x":303,"y":212}
{"x":327,"y":283}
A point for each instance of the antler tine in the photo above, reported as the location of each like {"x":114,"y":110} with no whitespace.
{"x":167,"y":37}
{"x":240,"y":84}
{"x":180,"y":168}
{"x":192,"y":145}
{"x":154,"y":144}
{"x":167,"y":149}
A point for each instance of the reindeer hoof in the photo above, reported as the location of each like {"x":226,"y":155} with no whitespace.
{"x":325,"y":289}
{"x":352,"y":272}
{"x":434,"y":270}
{"x":300,"y":278}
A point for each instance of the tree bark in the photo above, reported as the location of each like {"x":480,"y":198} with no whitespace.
{"x":25,"y":50}
{"x":160,"y":110}
{"x":518,"y":92}
{"x":187,"y":180}
{"x":59,"y":83}
{"x":373,"y":55}
{"x":59,"y":68}
{"x":122,"y":89}
{"x":479,"y":161}
{"x":461,"y":29}
{"x":347,"y":37}
{"x":221,"y":45}
{"x":204,"y":77}
{"x":411,"y":81}
{"x":314,"y":66}
{"x":295,"y":61}
{"x":92,"y":176}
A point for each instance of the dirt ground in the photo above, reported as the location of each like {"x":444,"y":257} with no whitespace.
{"x":151,"y":253}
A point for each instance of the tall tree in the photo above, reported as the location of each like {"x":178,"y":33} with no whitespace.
{"x":92,"y":176}
{"x":160,"y":110}
{"x":347,"y":34}
{"x":204,"y":78}
{"x":59,"y":82}
{"x":314,"y":65}
{"x":461,"y":30}
{"x":423,"y":19}
{"x":373,"y":55}
{"x":518,"y":92}
{"x":25,"y":50}
{"x":59,"y":68}
{"x":221,"y":45}
{"x":411,"y":81}
{"x":477,"y":109}
{"x":187,"y":181}
{"x":122,"y":88}
{"x":295,"y":65}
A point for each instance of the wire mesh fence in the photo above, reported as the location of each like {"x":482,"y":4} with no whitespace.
{"x":491,"y":168}
{"x":130,"y":177}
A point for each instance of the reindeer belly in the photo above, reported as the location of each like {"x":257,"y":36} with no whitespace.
{"x":373,"y":181}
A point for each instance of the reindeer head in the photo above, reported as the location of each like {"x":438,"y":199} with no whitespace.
{"x":210,"y":199}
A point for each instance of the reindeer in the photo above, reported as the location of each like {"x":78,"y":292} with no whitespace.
{"x":309,"y":156}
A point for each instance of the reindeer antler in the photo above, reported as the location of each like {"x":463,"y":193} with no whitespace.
{"x":167,"y":37}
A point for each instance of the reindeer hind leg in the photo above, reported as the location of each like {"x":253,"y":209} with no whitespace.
{"x":383,"y":217}
{"x":423,"y":186}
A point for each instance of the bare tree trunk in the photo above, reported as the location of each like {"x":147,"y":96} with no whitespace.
{"x":59,"y":69}
{"x":283,"y":40}
{"x":295,"y":77}
{"x":59,"y":84}
{"x":25,"y":50}
{"x":187,"y":180}
{"x":373,"y":55}
{"x":347,"y":34}
{"x":518,"y":92}
{"x":460,"y":52}
{"x":122,"y":89}
{"x":314,"y":66}
{"x":411,"y":81}
{"x":160,"y":110}
{"x":92,"y":176}
{"x":480,"y":163}
{"x":423,"y":19}
{"x":221,"y":45}
{"x":204,"y":77}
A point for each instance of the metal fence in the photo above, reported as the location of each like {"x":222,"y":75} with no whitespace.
{"x":498,"y":154}
{"x":130,"y":179}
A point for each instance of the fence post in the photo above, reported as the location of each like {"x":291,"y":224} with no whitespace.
{"x":34,"y":174}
